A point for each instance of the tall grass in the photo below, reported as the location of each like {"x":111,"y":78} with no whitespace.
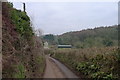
{"x":40,"y":60}
{"x":94,"y":63}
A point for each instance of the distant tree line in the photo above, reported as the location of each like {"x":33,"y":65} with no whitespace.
{"x":97,"y":37}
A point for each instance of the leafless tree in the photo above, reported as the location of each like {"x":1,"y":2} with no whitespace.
{"x":38,"y":32}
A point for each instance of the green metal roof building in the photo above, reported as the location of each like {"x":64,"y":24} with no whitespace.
{"x":64,"y":46}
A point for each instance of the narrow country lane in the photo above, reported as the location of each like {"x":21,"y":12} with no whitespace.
{"x":52,"y":71}
{"x":55,"y":69}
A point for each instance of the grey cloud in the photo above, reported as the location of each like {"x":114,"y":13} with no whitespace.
{"x":57,"y":18}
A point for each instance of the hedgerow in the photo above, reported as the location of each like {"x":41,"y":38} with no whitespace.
{"x":22,"y":23}
{"x":95,"y":63}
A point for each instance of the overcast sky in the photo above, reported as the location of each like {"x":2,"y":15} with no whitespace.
{"x":61,"y":17}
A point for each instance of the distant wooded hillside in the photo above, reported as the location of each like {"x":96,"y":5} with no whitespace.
{"x":97,"y":37}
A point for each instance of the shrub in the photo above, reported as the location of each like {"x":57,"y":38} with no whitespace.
{"x":20,"y":71}
{"x":96,"y":63}
{"x":22,"y":23}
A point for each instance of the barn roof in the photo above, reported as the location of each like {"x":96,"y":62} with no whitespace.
{"x":64,"y":45}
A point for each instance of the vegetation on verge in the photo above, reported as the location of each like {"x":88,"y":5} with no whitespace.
{"x":95,"y":63}
{"x":22,"y":50}
{"x":20,"y":71}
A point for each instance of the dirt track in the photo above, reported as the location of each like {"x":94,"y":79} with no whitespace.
{"x":55,"y":69}
{"x":52,"y":70}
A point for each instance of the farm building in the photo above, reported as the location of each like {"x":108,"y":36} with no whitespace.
{"x":64,"y":46}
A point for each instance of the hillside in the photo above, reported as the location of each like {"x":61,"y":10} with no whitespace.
{"x":97,"y":37}
{"x":22,"y":52}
